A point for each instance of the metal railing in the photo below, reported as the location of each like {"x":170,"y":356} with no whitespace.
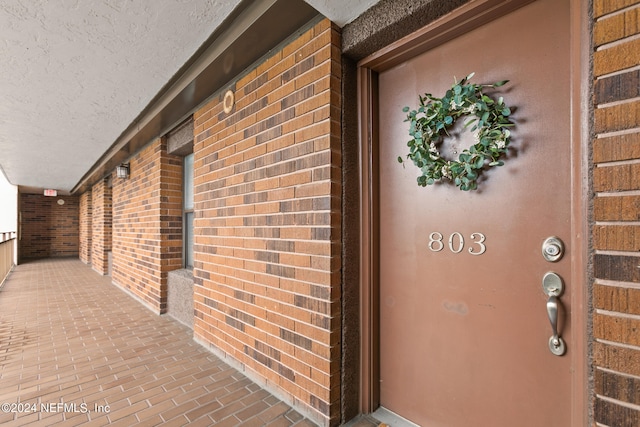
{"x":7,"y":245}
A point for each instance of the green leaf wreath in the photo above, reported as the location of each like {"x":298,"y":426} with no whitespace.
{"x":431,"y":121}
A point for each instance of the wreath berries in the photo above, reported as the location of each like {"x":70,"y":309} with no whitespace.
{"x":430,"y":122}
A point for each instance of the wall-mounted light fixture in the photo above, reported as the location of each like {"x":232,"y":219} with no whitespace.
{"x":122,"y":171}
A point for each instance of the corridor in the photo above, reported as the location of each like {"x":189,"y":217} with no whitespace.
{"x":74,"y":349}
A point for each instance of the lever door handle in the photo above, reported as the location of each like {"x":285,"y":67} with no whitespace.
{"x":556,"y":343}
{"x":554,"y":286}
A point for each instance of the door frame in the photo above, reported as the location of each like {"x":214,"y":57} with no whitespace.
{"x":473,"y":14}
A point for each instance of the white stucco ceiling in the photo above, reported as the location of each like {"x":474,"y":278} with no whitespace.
{"x":74,"y":74}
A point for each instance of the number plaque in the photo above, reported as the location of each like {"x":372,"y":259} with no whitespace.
{"x":457,"y":243}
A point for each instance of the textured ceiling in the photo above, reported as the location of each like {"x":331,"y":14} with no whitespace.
{"x":76,"y":73}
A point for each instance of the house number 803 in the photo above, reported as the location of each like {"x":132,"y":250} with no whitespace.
{"x":456,"y":243}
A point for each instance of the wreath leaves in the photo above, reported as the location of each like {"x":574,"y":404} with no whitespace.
{"x":429,"y":124}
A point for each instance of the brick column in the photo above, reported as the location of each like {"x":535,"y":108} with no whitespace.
{"x":100,"y":226}
{"x":147,"y":224}
{"x":268,"y":223}
{"x":85,"y":227}
{"x":616,"y":233}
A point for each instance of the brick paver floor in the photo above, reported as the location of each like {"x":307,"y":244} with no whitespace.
{"x":76,"y":350}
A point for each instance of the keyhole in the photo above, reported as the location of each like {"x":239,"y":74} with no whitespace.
{"x":553,"y":250}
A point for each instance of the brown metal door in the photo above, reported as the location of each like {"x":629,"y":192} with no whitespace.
{"x":464,"y":337}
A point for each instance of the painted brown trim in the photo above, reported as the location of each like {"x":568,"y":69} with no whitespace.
{"x":581,"y":126}
{"x":458,"y":22}
{"x":369,"y":292}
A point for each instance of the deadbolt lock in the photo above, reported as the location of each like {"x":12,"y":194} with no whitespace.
{"x":552,"y":249}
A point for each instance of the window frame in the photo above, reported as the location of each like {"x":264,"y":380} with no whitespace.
{"x":187,"y":212}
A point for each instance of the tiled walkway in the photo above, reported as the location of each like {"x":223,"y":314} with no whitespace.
{"x":75,"y":349}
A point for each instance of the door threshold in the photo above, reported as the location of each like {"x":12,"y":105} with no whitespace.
{"x":392,"y":419}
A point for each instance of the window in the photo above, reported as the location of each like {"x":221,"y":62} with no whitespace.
{"x":187,"y":207}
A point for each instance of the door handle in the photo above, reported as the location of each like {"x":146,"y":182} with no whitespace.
{"x":556,"y":343}
{"x":553,"y":286}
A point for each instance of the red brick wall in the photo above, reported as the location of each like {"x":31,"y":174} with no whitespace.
{"x":616,"y":233}
{"x":100,"y":226}
{"x":268,"y":223}
{"x":147,"y":224}
{"x":85,"y":227}
{"x":48,"y":229}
